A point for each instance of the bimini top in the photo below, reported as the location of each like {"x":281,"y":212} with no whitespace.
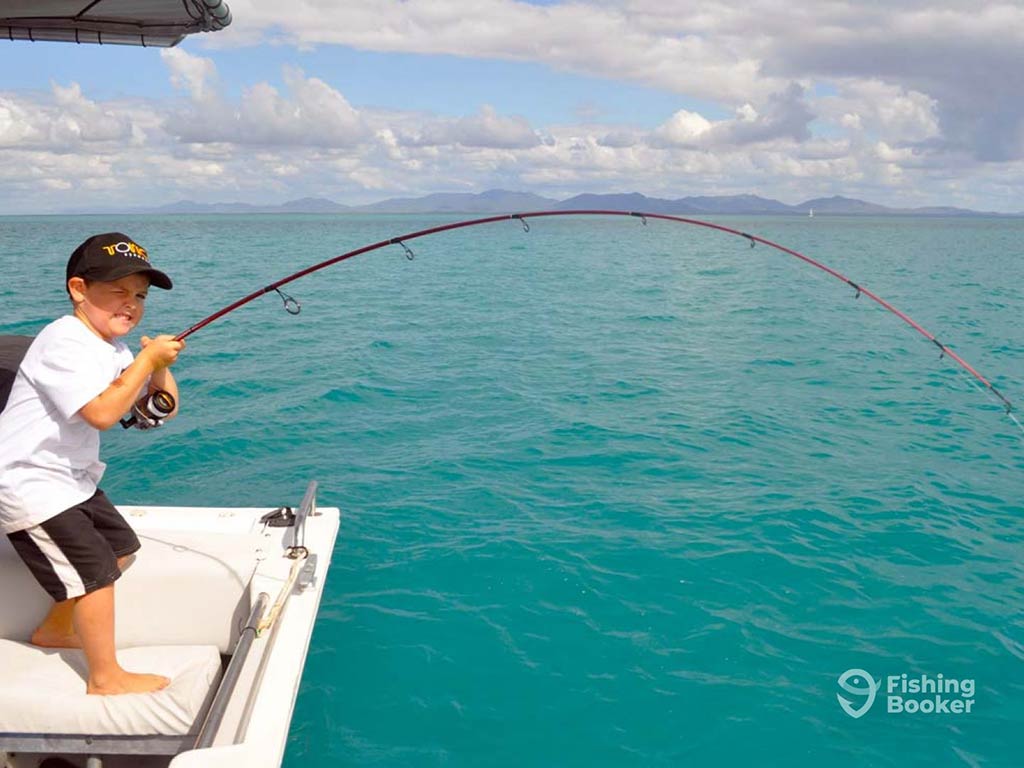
{"x":158,"y":23}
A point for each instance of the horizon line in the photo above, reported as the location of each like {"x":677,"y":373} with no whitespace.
{"x":801,"y":208}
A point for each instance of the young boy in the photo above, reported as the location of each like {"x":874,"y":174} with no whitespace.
{"x":78,"y":378}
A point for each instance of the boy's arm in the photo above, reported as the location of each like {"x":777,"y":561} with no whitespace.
{"x":106,"y":409}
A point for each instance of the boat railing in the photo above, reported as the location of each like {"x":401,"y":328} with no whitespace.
{"x":306,"y":509}
{"x":261,"y":619}
{"x":215,"y":715}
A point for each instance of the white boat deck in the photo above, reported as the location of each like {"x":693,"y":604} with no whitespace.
{"x":199,"y":575}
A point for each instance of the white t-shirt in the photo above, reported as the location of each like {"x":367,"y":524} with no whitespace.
{"x":49,"y":454}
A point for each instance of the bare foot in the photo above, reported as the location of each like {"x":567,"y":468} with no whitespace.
{"x":127,"y":682}
{"x":46,"y":637}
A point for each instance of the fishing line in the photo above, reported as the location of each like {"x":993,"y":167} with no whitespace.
{"x":293,"y":306}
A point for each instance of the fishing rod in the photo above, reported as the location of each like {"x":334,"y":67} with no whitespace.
{"x":292,"y":306}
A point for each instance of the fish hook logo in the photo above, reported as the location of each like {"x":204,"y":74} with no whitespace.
{"x":850,"y":681}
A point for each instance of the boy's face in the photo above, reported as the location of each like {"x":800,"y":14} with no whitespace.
{"x":110,"y":309}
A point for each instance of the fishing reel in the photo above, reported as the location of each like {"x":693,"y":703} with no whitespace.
{"x":150,"y":410}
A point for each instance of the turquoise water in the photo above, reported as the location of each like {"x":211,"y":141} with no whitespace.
{"x":612,"y":495}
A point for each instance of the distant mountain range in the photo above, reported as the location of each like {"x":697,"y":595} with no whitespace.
{"x":503,"y":201}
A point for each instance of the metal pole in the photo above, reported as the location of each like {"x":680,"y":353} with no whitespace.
{"x":227,"y":686}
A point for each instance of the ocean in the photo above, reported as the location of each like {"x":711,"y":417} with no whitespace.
{"x":612,"y":494}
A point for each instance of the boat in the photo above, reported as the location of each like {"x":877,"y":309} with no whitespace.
{"x":222,"y":600}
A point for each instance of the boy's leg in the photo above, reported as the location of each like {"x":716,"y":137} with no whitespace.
{"x":57,"y":630}
{"x":76,"y":557}
{"x":94,"y":623}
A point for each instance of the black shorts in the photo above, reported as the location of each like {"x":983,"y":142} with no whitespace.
{"x":75,"y":553}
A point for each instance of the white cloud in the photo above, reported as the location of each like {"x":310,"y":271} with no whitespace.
{"x":192,"y":73}
{"x":489,"y":129}
{"x":882,"y":109}
{"x":17,"y":126}
{"x":259,"y":156}
{"x":913,"y":101}
{"x":311,"y":113}
{"x":684,"y":129}
{"x":64,"y":121}
{"x":964,"y":58}
{"x":961,"y":58}
{"x":784,"y":116}
{"x":486,"y":129}
{"x":638,"y":42}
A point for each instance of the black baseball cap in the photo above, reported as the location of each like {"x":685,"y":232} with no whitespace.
{"x":111,"y":256}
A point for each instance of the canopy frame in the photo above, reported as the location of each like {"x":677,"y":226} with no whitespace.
{"x":156,"y":23}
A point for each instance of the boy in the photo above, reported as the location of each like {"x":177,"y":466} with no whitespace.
{"x":78,"y":378}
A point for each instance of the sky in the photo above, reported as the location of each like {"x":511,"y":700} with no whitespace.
{"x":905,"y":103}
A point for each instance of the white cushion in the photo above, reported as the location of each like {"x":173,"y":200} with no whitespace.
{"x":186,"y":588}
{"x":43,"y":691}
{"x":25,"y":604}
{"x":183,"y":589}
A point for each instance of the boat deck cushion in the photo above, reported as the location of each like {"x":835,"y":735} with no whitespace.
{"x":185,"y":588}
{"x":43,"y":692}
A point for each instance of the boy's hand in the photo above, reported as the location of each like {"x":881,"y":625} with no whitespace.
{"x":151,"y":364}
{"x":161,"y":351}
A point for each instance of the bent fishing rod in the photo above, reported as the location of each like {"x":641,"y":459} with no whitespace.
{"x":293,"y":306}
